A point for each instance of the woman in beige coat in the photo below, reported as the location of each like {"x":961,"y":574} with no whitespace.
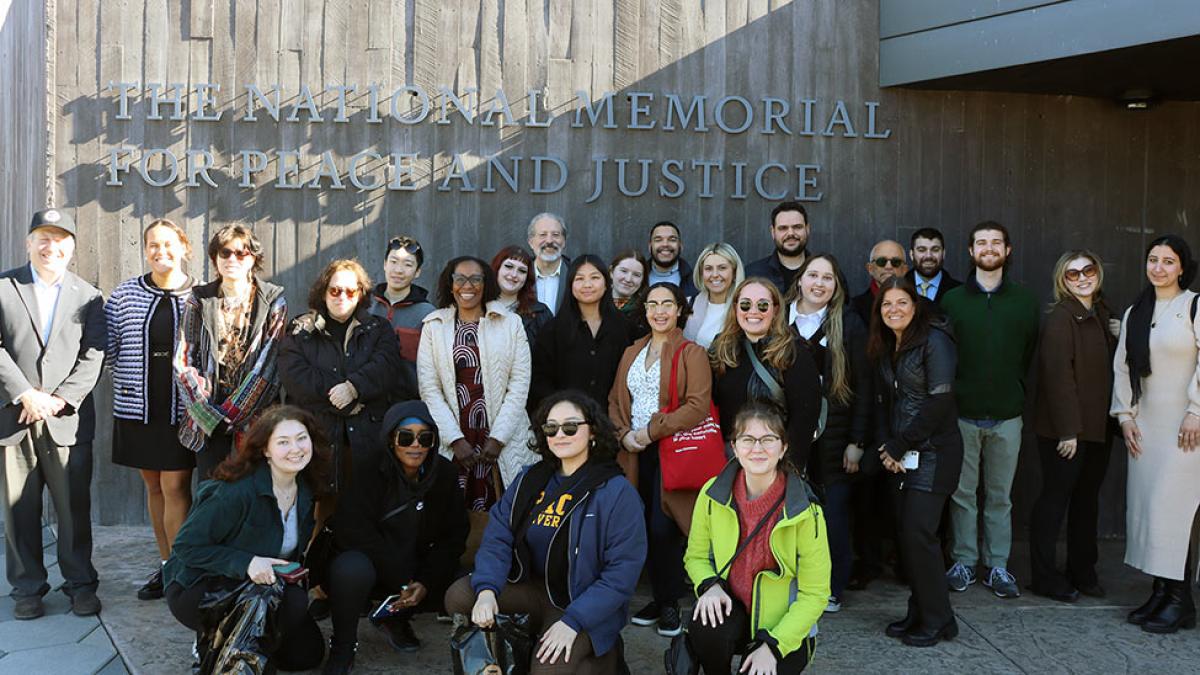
{"x":473,"y":372}
{"x":1156,"y":397}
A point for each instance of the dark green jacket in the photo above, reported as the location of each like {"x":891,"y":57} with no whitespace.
{"x":229,"y":524}
{"x":996,"y":334}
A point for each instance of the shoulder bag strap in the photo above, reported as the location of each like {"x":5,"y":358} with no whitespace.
{"x":1195,"y":298}
{"x":672,"y":387}
{"x":764,"y":375}
{"x":753,"y":533}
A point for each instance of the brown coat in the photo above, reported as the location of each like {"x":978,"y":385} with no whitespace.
{"x":1075,"y":373}
{"x":694,"y":384}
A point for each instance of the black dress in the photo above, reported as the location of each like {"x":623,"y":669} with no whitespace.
{"x":155,"y":446}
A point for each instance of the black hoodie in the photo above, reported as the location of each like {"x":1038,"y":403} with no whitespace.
{"x":411,"y":530}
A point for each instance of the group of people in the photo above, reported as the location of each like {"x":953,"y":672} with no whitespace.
{"x":424,"y":453}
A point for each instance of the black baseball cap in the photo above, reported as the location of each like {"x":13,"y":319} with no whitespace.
{"x":53,"y":218}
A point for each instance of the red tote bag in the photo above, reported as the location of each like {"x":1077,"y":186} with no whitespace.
{"x":689,"y":458}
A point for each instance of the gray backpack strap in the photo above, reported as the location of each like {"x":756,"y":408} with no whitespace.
{"x":772,"y":385}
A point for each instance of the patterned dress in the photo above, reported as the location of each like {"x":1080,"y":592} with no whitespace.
{"x":477,"y":483}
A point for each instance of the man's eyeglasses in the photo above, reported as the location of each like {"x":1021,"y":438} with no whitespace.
{"x":550,"y":429}
{"x":884,"y":262}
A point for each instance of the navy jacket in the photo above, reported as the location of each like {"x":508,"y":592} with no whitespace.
{"x":605,"y":551}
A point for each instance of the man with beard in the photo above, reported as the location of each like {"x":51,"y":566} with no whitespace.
{"x":789,"y":231}
{"x":666,"y":263}
{"x":928,"y":251}
{"x":547,"y":239}
{"x":404,"y":304}
{"x":886,"y":261}
{"x":996,"y":326}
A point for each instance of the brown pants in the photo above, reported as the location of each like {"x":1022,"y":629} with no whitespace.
{"x":530,"y":598}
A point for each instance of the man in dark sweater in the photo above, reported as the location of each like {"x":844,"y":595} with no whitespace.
{"x":996,"y":326}
{"x":789,"y":231}
{"x":928,"y":251}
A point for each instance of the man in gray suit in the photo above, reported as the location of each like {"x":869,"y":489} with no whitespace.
{"x":51,"y":352}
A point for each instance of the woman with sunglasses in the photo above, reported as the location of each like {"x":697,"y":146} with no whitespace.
{"x":399,"y":532}
{"x":757,"y":556}
{"x":718,"y":271}
{"x":917,"y":437}
{"x":836,"y":338}
{"x":1073,"y":394}
{"x":639,"y":405}
{"x":565,"y":545}
{"x":1156,"y":398}
{"x":756,"y":357}
{"x":225,"y":356}
{"x":582,"y":345}
{"x":473,"y":372}
{"x":340,"y":362}
{"x":518,"y":292}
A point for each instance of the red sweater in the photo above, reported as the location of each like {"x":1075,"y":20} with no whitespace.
{"x":757,"y":557}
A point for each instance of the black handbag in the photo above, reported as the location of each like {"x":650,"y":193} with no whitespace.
{"x":679,"y":659}
{"x":504,"y":649}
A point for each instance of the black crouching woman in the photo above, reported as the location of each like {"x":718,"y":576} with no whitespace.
{"x":565,"y":544}
{"x":400,"y":531}
{"x":256,"y":514}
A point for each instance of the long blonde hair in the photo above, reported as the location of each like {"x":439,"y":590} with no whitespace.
{"x":780,"y":350}
{"x":838,"y":389}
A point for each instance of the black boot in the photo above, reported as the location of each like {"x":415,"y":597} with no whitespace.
{"x":341,"y":658}
{"x":1176,"y":611}
{"x":1157,"y":594}
{"x":897,"y":629}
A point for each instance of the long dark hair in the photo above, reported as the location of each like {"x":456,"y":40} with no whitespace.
{"x":1137,"y":329}
{"x":882,"y":342}
{"x":570,"y":306}
{"x":249,"y":455}
{"x":527,"y":295}
{"x":604,"y":435}
{"x":445,"y":285}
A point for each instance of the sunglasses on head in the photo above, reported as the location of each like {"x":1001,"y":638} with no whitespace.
{"x":337,"y":292}
{"x":1088,"y":271}
{"x":227,"y":253}
{"x":746,"y":305}
{"x":550,"y":429}
{"x":884,"y":262}
{"x":413,"y":249}
{"x":405,"y":438}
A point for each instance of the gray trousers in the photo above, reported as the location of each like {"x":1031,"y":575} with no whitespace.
{"x":67,"y":471}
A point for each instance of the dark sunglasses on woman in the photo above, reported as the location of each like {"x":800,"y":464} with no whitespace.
{"x":405,"y":438}
{"x":1073,"y":275}
{"x":746,"y":304}
{"x":568,"y":428}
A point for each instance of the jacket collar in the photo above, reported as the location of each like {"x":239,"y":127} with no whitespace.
{"x":493,"y":310}
{"x":973,"y":286}
{"x":264,"y":488}
{"x":183,"y":291}
{"x":799,"y":495}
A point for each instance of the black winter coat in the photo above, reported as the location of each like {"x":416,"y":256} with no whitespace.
{"x":311,"y":363}
{"x":411,"y":531}
{"x":801,"y":385}
{"x":917,"y":411}
{"x":567,"y":356}
{"x":844,"y":424}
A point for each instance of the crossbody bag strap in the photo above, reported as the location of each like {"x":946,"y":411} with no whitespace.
{"x":765,"y":376}
{"x":753,"y":533}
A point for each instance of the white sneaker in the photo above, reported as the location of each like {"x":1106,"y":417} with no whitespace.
{"x":834,"y":606}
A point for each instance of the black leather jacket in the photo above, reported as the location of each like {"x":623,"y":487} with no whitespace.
{"x":917,"y":411}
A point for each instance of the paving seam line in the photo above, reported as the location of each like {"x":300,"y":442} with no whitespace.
{"x":983,"y":637}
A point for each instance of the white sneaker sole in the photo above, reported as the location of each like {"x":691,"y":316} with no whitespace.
{"x":670,"y":633}
{"x":643,"y":622}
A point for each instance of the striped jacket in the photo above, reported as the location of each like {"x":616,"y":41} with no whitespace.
{"x":128,"y":311}
{"x":196,"y":363}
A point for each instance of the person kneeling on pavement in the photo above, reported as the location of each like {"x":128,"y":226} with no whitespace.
{"x":400,"y":531}
{"x":758,"y":555}
{"x":565,"y":544}
{"x":253,"y":517}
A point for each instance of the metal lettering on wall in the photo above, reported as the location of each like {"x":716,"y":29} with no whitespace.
{"x":464,"y":171}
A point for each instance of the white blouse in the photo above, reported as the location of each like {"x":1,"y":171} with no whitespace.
{"x":643,"y":389}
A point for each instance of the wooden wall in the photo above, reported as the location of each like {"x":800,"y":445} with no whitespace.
{"x":24,"y":133}
{"x":1059,"y":171}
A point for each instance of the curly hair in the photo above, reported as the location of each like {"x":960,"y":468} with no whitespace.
{"x":316,"y":292}
{"x":527,"y":295}
{"x":780,"y":349}
{"x":603,"y":434}
{"x":445,"y":284}
{"x":250,"y":452}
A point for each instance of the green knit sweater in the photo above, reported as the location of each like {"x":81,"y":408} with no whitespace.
{"x":996,"y":334}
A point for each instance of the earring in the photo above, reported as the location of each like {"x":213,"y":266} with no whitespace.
{"x":592,"y":443}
